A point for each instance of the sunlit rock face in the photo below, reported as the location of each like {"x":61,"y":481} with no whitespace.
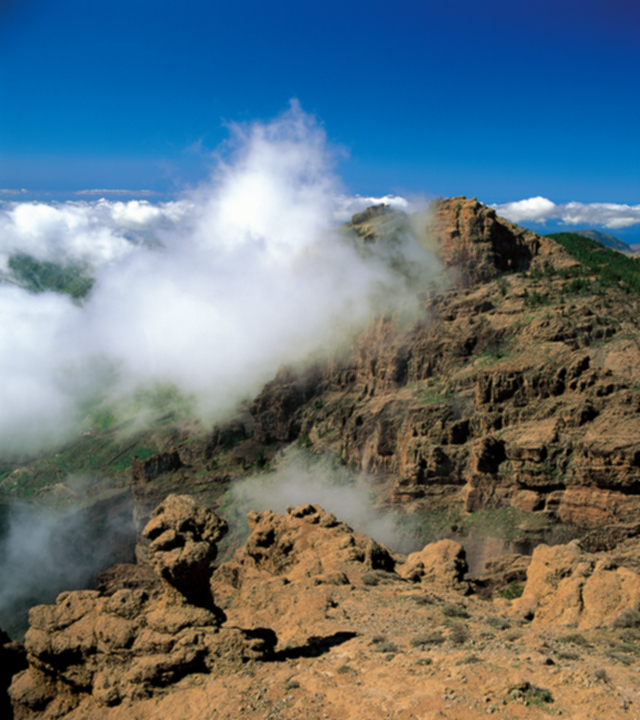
{"x":134,"y":643}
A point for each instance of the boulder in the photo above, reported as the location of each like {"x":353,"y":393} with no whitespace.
{"x":568,"y":586}
{"x":442,"y":564}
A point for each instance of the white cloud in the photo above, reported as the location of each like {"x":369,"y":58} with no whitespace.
{"x":347,"y":205}
{"x":101,"y":192}
{"x":212,"y":292}
{"x":539,"y":209}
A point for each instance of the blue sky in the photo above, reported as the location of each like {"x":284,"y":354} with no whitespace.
{"x":501,"y":100}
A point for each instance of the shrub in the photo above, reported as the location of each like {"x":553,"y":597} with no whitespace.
{"x":624,"y":659}
{"x":422,"y":642}
{"x":627,"y":619}
{"x":454,"y":610}
{"x":344,"y":669}
{"x":575,"y":639}
{"x":422,"y":600}
{"x":386,"y":647}
{"x":468,"y":660}
{"x":513,"y":590}
{"x":568,"y":656}
{"x":498,"y":623}
{"x":529,"y":693}
{"x":459,"y":634}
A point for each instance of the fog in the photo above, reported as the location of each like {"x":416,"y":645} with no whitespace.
{"x":44,"y":551}
{"x":211,"y":293}
{"x":300,"y":478}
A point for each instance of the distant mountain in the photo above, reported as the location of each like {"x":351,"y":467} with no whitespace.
{"x":606,"y":239}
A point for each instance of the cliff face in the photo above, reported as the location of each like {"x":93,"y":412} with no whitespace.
{"x":512,"y":391}
{"x":516,"y":388}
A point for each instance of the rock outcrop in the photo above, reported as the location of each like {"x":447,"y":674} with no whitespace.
{"x":479,"y":245}
{"x":295,"y":569}
{"x":517,"y":392}
{"x":91,"y":648}
{"x":567,"y":586}
{"x":363,"y":631}
{"x":442,"y":564}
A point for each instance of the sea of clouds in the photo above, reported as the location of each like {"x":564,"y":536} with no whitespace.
{"x":212,"y":292}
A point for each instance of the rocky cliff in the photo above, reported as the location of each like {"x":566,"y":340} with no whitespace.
{"x":512,"y":391}
{"x":508,"y":408}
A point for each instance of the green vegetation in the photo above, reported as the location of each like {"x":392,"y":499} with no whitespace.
{"x":498,"y":623}
{"x":164,"y":401}
{"x":454,"y":610}
{"x":575,"y":639}
{"x":513,"y":590}
{"x":40,"y":275}
{"x":425,"y":641}
{"x":535,"y":299}
{"x":613,"y":269}
{"x":459,"y":634}
{"x":89,"y":461}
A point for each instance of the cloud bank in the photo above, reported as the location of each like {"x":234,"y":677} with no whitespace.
{"x":212,"y":292}
{"x":539,"y":209}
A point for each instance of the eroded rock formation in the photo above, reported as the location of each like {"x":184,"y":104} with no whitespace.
{"x":100,"y":649}
{"x":567,"y":586}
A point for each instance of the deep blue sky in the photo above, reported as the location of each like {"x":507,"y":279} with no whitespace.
{"x":499,"y":99}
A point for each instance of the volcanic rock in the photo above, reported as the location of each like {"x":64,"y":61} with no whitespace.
{"x":295,"y":569}
{"x":442,"y":564}
{"x":512,"y":392}
{"x":101,"y":649}
{"x":183,"y":535}
{"x":567,"y":586}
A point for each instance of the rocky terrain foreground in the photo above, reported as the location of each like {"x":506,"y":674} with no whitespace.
{"x":501,"y":425}
{"x":313,"y":620}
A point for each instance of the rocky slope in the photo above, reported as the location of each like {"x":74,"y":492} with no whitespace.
{"x":362,"y":632}
{"x":505,"y":415}
{"x":514,"y":395}
{"x":515,"y":391}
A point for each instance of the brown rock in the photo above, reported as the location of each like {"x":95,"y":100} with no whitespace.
{"x":567,"y":586}
{"x":442,"y":564}
{"x":183,"y":534}
{"x":91,"y":647}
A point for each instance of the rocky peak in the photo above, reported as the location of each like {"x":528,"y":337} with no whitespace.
{"x":479,"y":244}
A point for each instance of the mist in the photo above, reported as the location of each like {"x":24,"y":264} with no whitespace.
{"x":44,"y":551}
{"x":209,"y":294}
{"x":300,"y":478}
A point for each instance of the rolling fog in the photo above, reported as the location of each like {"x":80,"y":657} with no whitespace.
{"x":212,"y":292}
